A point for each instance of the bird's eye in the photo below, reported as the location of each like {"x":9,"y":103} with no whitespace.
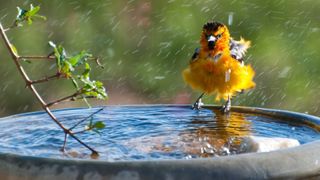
{"x":219,"y":36}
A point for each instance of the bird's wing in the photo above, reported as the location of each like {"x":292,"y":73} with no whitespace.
{"x":195,"y":54}
{"x":239,"y":48}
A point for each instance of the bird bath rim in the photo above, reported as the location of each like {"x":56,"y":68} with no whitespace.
{"x":302,"y":161}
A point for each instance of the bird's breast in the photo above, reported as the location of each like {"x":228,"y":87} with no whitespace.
{"x":209,"y":66}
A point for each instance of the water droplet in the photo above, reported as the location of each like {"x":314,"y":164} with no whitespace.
{"x":159,"y":77}
{"x":230,"y":18}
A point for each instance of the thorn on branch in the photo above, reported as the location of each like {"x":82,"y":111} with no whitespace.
{"x":99,"y":63}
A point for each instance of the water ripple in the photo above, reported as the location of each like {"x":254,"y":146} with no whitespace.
{"x":142,"y":132}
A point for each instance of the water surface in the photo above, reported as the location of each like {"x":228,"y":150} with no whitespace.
{"x":144,"y":133}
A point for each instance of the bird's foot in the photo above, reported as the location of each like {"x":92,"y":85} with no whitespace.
{"x":197,"y":105}
{"x":227,"y":107}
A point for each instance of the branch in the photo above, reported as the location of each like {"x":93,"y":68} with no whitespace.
{"x":37,"y":57}
{"x":82,"y":131}
{"x":64,"y":142}
{"x":7,"y":29}
{"x":7,"y":43}
{"x":67,"y":98}
{"x":46,"y":78}
{"x":16,"y":58}
{"x":81,"y":121}
{"x":11,"y":27}
{"x":98,"y":62}
{"x":72,"y":97}
{"x":66,"y":131}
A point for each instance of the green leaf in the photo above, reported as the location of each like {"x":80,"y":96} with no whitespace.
{"x":20,"y":16}
{"x":27,"y":15}
{"x":21,"y":13}
{"x":99,"y":125}
{"x":79,"y":58}
{"x":94,"y":88}
{"x":75,"y":84}
{"x":70,"y":66}
{"x":33,"y":10}
{"x":29,"y":20}
{"x":66,"y":69}
{"x":60,"y":54}
{"x":74,"y":60}
{"x":86,"y":72}
{"x":100,"y":90}
{"x":56,"y":54}
{"x":40,"y":17}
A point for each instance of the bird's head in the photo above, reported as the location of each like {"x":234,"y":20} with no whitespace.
{"x":214,"y":35}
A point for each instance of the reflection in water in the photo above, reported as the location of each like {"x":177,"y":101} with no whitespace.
{"x":207,"y":136}
{"x":222,"y":135}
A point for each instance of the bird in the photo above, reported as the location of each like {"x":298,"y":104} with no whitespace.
{"x":217,"y":67}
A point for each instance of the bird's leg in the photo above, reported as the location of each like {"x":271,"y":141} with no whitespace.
{"x":197,"y":105}
{"x":226,"y":108}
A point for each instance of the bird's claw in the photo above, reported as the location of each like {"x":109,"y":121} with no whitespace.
{"x":197,"y":105}
{"x":227,"y":107}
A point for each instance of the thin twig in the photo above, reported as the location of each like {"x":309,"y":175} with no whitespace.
{"x":86,"y":118}
{"x":64,"y":142}
{"x":11,"y":27}
{"x":7,"y":29}
{"x":36,"y":57}
{"x":46,"y":78}
{"x":94,"y":152}
{"x":82,"y":131}
{"x":97,"y":59}
{"x":67,"y":98}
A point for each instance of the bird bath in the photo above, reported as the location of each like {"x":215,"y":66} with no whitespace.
{"x":160,"y":142}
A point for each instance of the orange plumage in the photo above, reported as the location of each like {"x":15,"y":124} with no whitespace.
{"x":217,"y":67}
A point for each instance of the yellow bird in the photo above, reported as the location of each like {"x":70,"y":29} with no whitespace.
{"x":217,"y":67}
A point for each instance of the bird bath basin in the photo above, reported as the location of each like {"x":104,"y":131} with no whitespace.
{"x":160,"y":142}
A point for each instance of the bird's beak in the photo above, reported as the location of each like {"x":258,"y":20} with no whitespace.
{"x":211,"y":42}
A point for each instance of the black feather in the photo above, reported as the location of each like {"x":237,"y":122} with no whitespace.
{"x":212,"y":26}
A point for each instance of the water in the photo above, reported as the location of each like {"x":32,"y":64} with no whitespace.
{"x":144,"y":133}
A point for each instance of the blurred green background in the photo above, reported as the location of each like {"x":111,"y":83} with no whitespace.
{"x":144,"y":46}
